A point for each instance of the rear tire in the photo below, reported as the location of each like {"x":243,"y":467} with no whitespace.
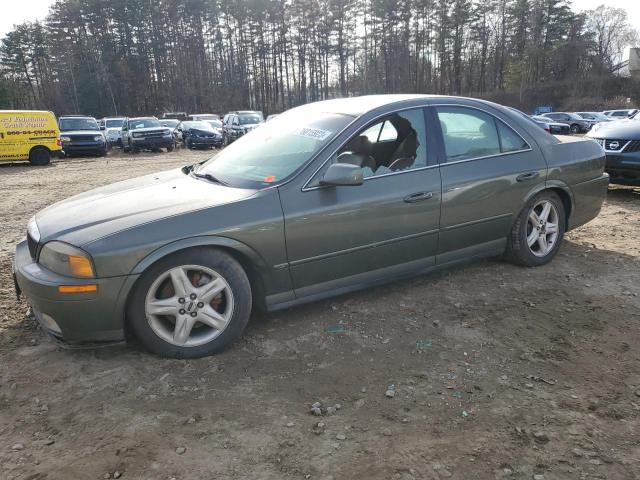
{"x":535,"y":238}
{"x":40,"y":156}
{"x":575,"y":128}
{"x":160,"y":289}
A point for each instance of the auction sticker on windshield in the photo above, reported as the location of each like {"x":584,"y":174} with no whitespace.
{"x":315,"y":133}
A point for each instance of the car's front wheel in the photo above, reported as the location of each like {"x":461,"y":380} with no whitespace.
{"x":538,"y":231}
{"x":575,"y":128}
{"x":191,"y":304}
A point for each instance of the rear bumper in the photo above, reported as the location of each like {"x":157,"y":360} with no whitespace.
{"x":73,"y":318}
{"x":588,"y":199}
{"x":624,"y":168}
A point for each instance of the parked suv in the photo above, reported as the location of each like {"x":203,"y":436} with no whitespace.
{"x":146,"y":133}
{"x":236,"y":124}
{"x":81,"y":135}
{"x":621,"y":143}
{"x":112,"y":129}
{"x":576,"y":123}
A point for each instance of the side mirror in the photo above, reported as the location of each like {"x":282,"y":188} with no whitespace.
{"x":342,"y":174}
{"x":102,"y":127}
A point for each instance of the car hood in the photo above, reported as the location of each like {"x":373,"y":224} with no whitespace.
{"x":71,"y":133}
{"x":617,"y":130}
{"x":107,"y":210}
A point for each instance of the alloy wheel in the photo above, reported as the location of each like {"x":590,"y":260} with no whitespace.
{"x":189,"y":305}
{"x":542,"y":228}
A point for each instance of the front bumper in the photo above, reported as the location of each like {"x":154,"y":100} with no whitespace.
{"x":624,"y":168}
{"x":84,"y":147}
{"x":206,"y":141}
{"x":151,"y":143}
{"x":74,"y":318}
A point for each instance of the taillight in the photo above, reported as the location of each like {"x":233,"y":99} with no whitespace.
{"x":547,"y":129}
{"x":59,"y":142}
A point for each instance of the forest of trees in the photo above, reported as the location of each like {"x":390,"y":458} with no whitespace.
{"x":105,"y":57}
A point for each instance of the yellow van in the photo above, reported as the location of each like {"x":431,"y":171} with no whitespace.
{"x":29,"y":135}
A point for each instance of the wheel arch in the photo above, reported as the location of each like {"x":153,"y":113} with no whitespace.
{"x":562,"y":190}
{"x":252,"y":263}
{"x":36,"y":147}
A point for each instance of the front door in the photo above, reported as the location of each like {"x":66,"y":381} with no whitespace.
{"x":345,"y":236}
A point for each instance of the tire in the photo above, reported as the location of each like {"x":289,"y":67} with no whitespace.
{"x":170,"y":148}
{"x":157,"y":332}
{"x":575,"y":128}
{"x":518,"y":250}
{"x":40,"y":156}
{"x":103,"y":153}
{"x":126,"y":148}
{"x":187,"y":143}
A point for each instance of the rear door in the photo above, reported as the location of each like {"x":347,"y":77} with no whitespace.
{"x":488,"y":171}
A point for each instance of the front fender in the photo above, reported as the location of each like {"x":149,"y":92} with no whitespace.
{"x":202,"y":241}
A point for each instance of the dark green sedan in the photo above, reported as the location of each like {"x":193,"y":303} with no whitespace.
{"x":326,"y":198}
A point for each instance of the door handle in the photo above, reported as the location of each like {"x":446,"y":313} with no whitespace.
{"x":525,"y":177}
{"x":418,"y":197}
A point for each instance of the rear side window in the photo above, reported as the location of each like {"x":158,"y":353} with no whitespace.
{"x":469,"y":133}
{"x":510,"y":141}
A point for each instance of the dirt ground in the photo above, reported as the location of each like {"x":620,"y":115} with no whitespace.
{"x":498,"y":371}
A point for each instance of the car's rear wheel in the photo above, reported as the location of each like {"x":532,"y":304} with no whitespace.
{"x":538,"y":231}
{"x":40,"y":156}
{"x":575,"y":128}
{"x":191,"y":304}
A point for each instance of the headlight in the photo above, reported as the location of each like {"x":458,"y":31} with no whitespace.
{"x":65,"y":139}
{"x":167,"y":133}
{"x":32,"y":229}
{"x":98,"y":138}
{"x":67,"y":260}
{"x":136,"y":135}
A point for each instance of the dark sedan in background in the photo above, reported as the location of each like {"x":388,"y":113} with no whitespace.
{"x":551,"y":126}
{"x":236,"y":124}
{"x":200,"y":134}
{"x":81,"y":135}
{"x":146,"y":133}
{"x":621,"y":143}
{"x":576,"y":123}
{"x":325,"y":199}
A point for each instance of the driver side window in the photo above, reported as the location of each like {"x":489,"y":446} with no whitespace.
{"x":392,"y":144}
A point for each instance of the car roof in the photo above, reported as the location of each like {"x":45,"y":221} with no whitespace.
{"x":357,"y":106}
{"x":76,"y":116}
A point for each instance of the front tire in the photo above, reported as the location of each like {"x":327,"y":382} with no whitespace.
{"x":538,"y":231}
{"x":191,"y":304}
{"x":575,"y":128}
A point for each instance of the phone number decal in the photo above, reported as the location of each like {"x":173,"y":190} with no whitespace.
{"x":32,"y":132}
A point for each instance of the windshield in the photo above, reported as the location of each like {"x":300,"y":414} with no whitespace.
{"x":169,"y":123}
{"x":276,"y":150}
{"x":215,"y":123}
{"x":68,"y":124}
{"x":249,"y":119}
{"x":137,"y":123}
{"x":114,"y":123}
{"x":197,"y":125}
